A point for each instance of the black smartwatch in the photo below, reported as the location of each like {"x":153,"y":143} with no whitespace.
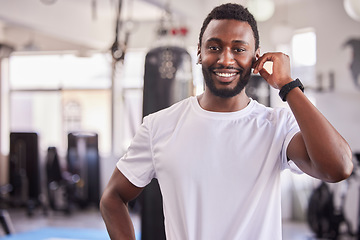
{"x":288,"y":87}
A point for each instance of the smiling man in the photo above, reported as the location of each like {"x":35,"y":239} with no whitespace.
{"x":218,"y":156}
{"x":227,"y":51}
{"x":226,"y":77}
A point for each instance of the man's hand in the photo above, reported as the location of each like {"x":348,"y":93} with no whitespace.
{"x":281,"y":74}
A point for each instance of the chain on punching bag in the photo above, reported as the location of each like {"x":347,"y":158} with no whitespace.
{"x":167,"y":78}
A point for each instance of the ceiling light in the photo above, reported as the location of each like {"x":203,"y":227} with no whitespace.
{"x":352,"y":8}
{"x":261,"y":9}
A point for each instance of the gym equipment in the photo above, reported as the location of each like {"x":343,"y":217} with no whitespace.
{"x":83,"y":164}
{"x":60,"y":183}
{"x":167,"y":78}
{"x":24,"y":169}
{"x":323,"y":218}
{"x":5,"y":219}
{"x":326,"y":220}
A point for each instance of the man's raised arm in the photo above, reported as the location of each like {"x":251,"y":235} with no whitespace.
{"x":318,"y":149}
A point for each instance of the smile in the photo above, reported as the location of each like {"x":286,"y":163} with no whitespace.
{"x":226,"y":75}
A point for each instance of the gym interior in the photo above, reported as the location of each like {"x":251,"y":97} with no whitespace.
{"x":77,"y":77}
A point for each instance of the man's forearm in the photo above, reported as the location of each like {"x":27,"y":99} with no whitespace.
{"x":116,"y":217}
{"x":329,"y":152}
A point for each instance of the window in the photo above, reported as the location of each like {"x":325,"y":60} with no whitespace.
{"x":57,"y":94}
{"x":60,"y":71}
{"x":303,"y":47}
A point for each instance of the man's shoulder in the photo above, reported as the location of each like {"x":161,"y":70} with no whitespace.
{"x":271,"y":113}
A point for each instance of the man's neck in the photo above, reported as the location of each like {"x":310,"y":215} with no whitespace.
{"x":210,"y":102}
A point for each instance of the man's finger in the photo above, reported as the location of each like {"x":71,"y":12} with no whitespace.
{"x":265,"y":74}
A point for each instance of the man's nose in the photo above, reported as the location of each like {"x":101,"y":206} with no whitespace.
{"x":226,"y":58}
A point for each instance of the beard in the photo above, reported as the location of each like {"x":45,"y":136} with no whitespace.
{"x":226,"y":92}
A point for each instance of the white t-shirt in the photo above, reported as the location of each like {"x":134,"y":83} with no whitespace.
{"x":219,"y":173}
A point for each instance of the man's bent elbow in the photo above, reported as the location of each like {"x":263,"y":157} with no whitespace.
{"x":348,"y":166}
{"x":343,"y":171}
{"x":348,"y":163}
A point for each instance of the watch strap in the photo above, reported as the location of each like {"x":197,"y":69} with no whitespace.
{"x":290,"y":86}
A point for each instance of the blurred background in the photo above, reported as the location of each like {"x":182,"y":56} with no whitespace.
{"x":76,"y":78}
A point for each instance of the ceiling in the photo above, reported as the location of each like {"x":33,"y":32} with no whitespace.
{"x":57,"y":25}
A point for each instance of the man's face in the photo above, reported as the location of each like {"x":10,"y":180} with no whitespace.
{"x":227,"y":53}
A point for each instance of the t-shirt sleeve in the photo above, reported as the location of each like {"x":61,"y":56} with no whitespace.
{"x":137,"y":163}
{"x":291,"y":128}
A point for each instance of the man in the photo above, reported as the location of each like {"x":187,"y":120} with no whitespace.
{"x":218,"y":156}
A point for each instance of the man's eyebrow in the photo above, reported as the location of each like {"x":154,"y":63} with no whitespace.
{"x":234,"y":41}
{"x":213,"y":40}
{"x":241,"y":42}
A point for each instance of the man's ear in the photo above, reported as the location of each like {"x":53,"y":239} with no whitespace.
{"x":198,"y":54}
{"x":257,"y":53}
{"x":256,"y":57}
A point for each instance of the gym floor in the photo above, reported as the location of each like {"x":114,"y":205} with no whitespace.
{"x":91,"y":218}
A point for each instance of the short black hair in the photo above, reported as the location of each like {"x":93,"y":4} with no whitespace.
{"x":231,"y":11}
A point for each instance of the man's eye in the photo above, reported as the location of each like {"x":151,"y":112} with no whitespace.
{"x":239,"y":50}
{"x":214,"y":48}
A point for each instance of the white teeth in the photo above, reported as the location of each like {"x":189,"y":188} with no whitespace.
{"x":225,"y":74}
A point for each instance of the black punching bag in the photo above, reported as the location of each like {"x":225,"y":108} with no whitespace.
{"x":167,"y":80}
{"x":24,"y":169}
